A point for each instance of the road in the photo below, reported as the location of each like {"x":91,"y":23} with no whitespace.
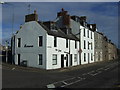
{"x":98,"y":75}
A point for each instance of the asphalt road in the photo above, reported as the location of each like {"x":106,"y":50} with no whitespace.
{"x":98,"y":75}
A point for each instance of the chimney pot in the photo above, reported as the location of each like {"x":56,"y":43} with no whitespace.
{"x":62,"y":9}
{"x":35,"y":12}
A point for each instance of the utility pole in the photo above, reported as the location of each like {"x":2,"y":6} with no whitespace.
{"x":7,"y":51}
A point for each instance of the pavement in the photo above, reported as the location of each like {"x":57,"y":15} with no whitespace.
{"x":97,"y":75}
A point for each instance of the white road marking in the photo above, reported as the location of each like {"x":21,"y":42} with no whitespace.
{"x":82,"y":78}
{"x":84,"y":74}
{"x":99,"y":69}
{"x":106,"y":68}
{"x":64,"y":82}
{"x":90,"y":72}
{"x":70,"y":83}
{"x":13,"y":69}
{"x":51,"y":86}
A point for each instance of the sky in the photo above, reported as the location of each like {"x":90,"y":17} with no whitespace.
{"x":104,"y":14}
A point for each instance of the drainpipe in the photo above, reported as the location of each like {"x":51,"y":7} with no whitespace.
{"x":79,"y":47}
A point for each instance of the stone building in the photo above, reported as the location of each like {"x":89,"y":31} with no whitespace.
{"x":112,"y":51}
{"x":98,"y":46}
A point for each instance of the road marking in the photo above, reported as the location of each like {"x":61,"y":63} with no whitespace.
{"x":74,"y":80}
{"x":13,"y":69}
{"x":95,"y":73}
{"x":84,"y":74}
{"x":70,"y":83}
{"x":99,"y":69}
{"x":82,"y":78}
{"x":51,"y":86}
{"x":90,"y":72}
{"x":64,"y":82}
{"x":106,"y":69}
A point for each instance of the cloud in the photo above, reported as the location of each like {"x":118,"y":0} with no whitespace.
{"x":104,"y":15}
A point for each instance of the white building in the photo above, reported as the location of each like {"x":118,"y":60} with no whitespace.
{"x":37,"y":45}
{"x":87,"y":45}
{"x":83,"y":31}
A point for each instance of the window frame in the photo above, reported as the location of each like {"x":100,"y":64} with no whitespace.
{"x":84,"y":44}
{"x":91,"y":35}
{"x":40,"y":39}
{"x":75,"y":44}
{"x":55,"y":41}
{"x":54,"y":59}
{"x":18,"y":42}
{"x":84,"y":32}
{"x":84,"y":57}
{"x":88,"y":33}
{"x":66,"y":43}
{"x":40,"y":61}
{"x":91,"y":57}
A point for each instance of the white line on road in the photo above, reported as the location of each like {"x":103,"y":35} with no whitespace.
{"x":64,"y":82}
{"x":106,"y":68}
{"x":70,"y":83}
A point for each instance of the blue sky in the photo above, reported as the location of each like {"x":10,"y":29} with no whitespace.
{"x":104,"y":14}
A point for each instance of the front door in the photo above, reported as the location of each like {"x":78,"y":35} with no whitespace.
{"x":18,"y":59}
{"x":67,"y":60}
{"x":70,"y":59}
{"x":62,"y":61}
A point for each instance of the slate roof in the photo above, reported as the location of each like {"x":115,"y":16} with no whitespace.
{"x":59,"y":33}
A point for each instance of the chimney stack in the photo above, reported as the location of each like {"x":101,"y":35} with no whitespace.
{"x":31,"y":17}
{"x":83,"y":20}
{"x":93,"y":27}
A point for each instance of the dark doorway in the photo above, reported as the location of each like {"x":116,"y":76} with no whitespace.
{"x":67,"y":60}
{"x":62,"y":61}
{"x":18,"y":59}
{"x":70,"y":59}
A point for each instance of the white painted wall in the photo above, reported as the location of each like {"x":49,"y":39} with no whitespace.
{"x":87,"y":50}
{"x":29,"y":34}
{"x":61,"y":45}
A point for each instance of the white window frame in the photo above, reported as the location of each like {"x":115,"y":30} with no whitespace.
{"x":20,"y":42}
{"x":54,"y":59}
{"x":84,"y":57}
{"x":39,"y":40}
{"x":39,"y":59}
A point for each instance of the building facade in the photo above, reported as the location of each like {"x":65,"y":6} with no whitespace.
{"x":66,"y":41}
{"x":112,"y":51}
{"x":38,"y":46}
{"x":79,"y":27}
{"x":98,"y":46}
